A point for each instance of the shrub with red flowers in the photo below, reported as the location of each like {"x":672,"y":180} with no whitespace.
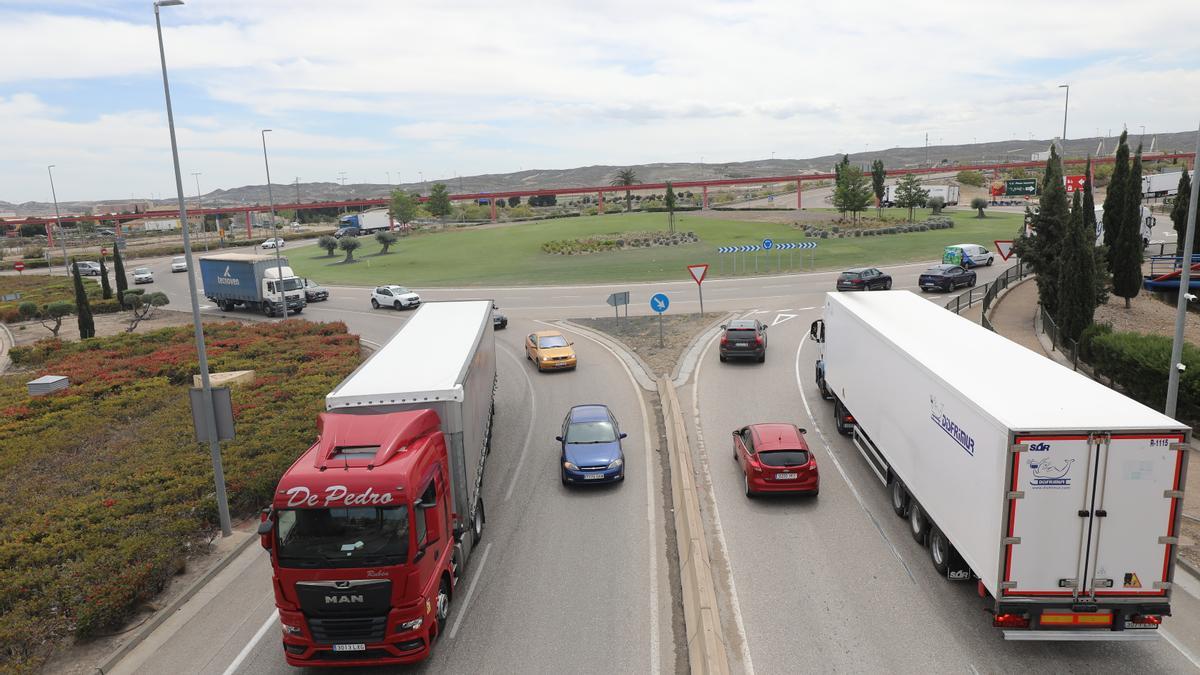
{"x":107,"y":489}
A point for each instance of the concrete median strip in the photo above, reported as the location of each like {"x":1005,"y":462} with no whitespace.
{"x":706,"y":643}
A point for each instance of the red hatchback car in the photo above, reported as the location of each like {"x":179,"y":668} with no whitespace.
{"x":775,"y":458}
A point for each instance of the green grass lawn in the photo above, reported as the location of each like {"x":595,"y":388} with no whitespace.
{"x":513,"y":255}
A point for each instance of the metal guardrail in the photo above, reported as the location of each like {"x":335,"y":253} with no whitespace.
{"x":986,"y":294}
{"x":1068,"y":347}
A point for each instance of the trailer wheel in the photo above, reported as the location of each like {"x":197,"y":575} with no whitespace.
{"x":480,"y":519}
{"x":940,"y":549}
{"x":917,"y":522}
{"x":899,"y":497}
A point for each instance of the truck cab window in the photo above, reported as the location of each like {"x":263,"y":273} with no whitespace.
{"x":427,"y":517}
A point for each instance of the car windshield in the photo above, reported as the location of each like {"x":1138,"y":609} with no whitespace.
{"x":552,"y":341}
{"x":783,"y":457}
{"x":345,"y":537}
{"x":399,"y":290}
{"x":591,"y":432}
{"x":141,"y":270}
{"x":177,"y":260}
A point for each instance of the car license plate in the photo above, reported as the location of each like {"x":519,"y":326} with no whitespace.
{"x":785,"y":476}
{"x":741,"y":344}
{"x":350,"y":648}
{"x":593,"y":476}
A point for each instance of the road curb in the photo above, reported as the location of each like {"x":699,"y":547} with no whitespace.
{"x":166,"y":612}
{"x":641,"y":371}
{"x":706,"y":641}
{"x":691,"y":355}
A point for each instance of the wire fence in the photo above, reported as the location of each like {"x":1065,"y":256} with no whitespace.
{"x":1058,"y":341}
{"x":987,"y":293}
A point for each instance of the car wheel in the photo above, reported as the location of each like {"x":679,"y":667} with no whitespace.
{"x":917,"y":523}
{"x":924,"y":290}
{"x":940,"y":549}
{"x":887,"y":285}
{"x":991,"y":260}
{"x":443,"y":606}
{"x":374,"y":303}
{"x":398,"y":306}
{"x":724,"y":358}
{"x":949,"y":286}
{"x":899,"y":498}
{"x":750,"y":494}
{"x":762,"y":357}
{"x":972,"y":282}
{"x":562,"y":475}
{"x":301,"y":309}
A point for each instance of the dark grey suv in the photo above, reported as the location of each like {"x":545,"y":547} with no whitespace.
{"x":744,"y":338}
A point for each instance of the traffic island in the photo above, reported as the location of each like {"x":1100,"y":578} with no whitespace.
{"x":640,"y":335}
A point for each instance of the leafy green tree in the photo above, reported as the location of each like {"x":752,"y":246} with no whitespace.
{"x":329,"y":243}
{"x":143,"y":305}
{"x":87,"y":326}
{"x":349,"y":245}
{"x":1127,"y":242}
{"x":909,"y":194}
{"x":1041,"y":248}
{"x":404,"y":207}
{"x":106,"y":288}
{"x":878,"y":180}
{"x":972,"y":178}
{"x":1100,"y":275}
{"x":669,"y":200}
{"x":936,"y":204}
{"x":385,"y":239}
{"x":625,"y":178}
{"x":439,"y":201}
{"x":1076,"y":289}
{"x":979,"y":204}
{"x":119,"y":273}
{"x":514,"y":202}
{"x":853,"y":190}
{"x":1179,"y":214}
{"x":54,"y":313}
{"x":1114,"y":199}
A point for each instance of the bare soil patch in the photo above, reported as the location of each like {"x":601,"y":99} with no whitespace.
{"x":1149,"y":315}
{"x":29,"y":332}
{"x":640,"y":335}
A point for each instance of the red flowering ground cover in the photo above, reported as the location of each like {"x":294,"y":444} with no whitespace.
{"x":105,"y":487}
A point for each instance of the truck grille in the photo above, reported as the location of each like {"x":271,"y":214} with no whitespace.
{"x":337,"y":631}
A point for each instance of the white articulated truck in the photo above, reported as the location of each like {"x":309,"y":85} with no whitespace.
{"x":1060,"y":495}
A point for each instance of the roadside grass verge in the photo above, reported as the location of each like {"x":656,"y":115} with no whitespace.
{"x":106,"y":487}
{"x":513,"y":254}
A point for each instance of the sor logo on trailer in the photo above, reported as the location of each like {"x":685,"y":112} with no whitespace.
{"x":937,"y":413}
{"x":1039,"y":447}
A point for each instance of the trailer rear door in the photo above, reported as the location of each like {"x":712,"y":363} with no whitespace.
{"x":1135,"y":515}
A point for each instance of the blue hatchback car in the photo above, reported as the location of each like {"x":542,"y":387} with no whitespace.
{"x":591,"y":446}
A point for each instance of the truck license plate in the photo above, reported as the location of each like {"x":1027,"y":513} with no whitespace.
{"x":785,"y":476}
{"x":593,"y":476}
{"x":350,"y":648}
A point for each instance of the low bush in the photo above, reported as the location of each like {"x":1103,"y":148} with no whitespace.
{"x":107,"y":490}
{"x":1139,"y":364}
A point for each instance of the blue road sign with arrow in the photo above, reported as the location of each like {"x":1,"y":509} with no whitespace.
{"x":660,"y":302}
{"x":767,"y":243}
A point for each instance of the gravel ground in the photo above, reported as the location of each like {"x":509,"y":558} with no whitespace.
{"x":640,"y":334}
{"x":1147,"y":314}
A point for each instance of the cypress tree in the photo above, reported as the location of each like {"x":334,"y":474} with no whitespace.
{"x":1076,"y":288}
{"x":119,"y":272}
{"x":87,"y":327}
{"x":1114,"y":199}
{"x":1042,"y":250}
{"x":1100,"y":275}
{"x":106,"y":288}
{"x":1179,"y":214}
{"x":1126,"y":255}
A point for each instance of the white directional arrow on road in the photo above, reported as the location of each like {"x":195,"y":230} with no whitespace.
{"x":780,"y":318}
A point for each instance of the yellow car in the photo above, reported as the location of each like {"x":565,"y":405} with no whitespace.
{"x":549,"y":350}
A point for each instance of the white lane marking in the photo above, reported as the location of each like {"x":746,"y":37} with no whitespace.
{"x":462,"y":611}
{"x":734,"y":604}
{"x":237,"y":662}
{"x":760,"y":311}
{"x":804,"y":309}
{"x":528,"y":432}
{"x":780,"y":318}
{"x":651,"y":521}
{"x":1187,"y":653}
{"x":832,"y":455}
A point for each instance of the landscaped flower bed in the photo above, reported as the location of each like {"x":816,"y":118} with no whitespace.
{"x":107,"y":489}
{"x":618,"y":241}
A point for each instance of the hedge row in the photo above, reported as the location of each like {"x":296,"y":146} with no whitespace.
{"x":1140,"y":364}
{"x":107,"y":490}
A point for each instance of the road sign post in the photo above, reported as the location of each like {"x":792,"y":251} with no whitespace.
{"x":618,"y":299}
{"x":659,"y":303}
{"x":698,"y":273}
{"x":19,"y":267}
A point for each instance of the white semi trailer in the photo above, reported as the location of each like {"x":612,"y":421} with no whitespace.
{"x":1059,"y":495}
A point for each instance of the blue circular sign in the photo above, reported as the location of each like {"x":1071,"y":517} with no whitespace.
{"x":767,"y":244}
{"x":660,"y":302}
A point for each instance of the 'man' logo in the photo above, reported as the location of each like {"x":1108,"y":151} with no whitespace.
{"x":343,"y":599}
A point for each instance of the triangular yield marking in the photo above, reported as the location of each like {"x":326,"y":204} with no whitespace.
{"x":780,"y":318}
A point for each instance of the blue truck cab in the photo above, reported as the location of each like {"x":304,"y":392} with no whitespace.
{"x":252,"y":281}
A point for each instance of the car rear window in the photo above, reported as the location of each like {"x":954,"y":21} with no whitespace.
{"x":740,"y":333}
{"x":783,"y":457}
{"x":849,"y":276}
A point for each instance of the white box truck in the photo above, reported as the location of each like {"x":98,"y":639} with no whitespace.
{"x":948,"y":193}
{"x":376,"y":220}
{"x":1061,"y":496}
{"x":1161,"y":184}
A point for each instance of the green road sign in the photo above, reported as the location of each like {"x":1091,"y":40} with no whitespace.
{"x":1024,"y":186}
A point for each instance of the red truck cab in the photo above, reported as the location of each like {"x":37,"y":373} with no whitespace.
{"x":362,"y":537}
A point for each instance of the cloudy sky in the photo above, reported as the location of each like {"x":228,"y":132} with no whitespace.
{"x":372,"y":88}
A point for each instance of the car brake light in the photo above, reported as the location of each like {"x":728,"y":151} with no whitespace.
{"x":758,"y":340}
{"x":1011,"y":621}
{"x":724,"y":340}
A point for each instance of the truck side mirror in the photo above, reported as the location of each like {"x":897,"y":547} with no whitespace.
{"x":817,"y":331}
{"x":265,"y":528}
{"x":558,"y":438}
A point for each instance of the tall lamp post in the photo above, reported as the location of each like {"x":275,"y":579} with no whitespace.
{"x":1066,"y":100}
{"x":62,"y":239}
{"x":210,"y":419}
{"x":1185,"y":295}
{"x":274,"y":228}
{"x":199,"y":202}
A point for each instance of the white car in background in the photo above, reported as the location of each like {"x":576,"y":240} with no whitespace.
{"x":397,"y":297}
{"x":88,"y":268}
{"x":178,"y":264}
{"x":274,"y":242}
{"x":143,"y":275}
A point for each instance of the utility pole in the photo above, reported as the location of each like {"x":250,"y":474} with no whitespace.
{"x":297,"y":198}
{"x":1066,"y":101}
{"x":62,"y":237}
{"x":927,"y":147}
{"x":274,"y":228}
{"x":1185,"y":277}
{"x":199,"y":203}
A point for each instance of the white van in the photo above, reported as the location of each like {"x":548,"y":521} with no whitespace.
{"x":967,"y":255}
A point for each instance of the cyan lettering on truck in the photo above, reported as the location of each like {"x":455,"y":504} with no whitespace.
{"x":362,"y":541}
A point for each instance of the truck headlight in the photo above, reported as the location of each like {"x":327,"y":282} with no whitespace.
{"x":410,"y":625}
{"x":616,"y":463}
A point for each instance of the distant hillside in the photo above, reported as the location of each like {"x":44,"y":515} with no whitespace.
{"x":893,"y":158}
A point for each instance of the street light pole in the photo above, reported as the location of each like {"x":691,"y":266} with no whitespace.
{"x":1066,"y":100}
{"x":274,"y":228}
{"x":199,"y":202}
{"x":1185,"y":277}
{"x":210,"y":419}
{"x":62,"y":237}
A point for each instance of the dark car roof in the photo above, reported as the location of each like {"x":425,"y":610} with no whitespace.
{"x":592,"y":412}
{"x":777,"y":436}
{"x":741,"y":323}
{"x":856,"y":270}
{"x":941,"y":268}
